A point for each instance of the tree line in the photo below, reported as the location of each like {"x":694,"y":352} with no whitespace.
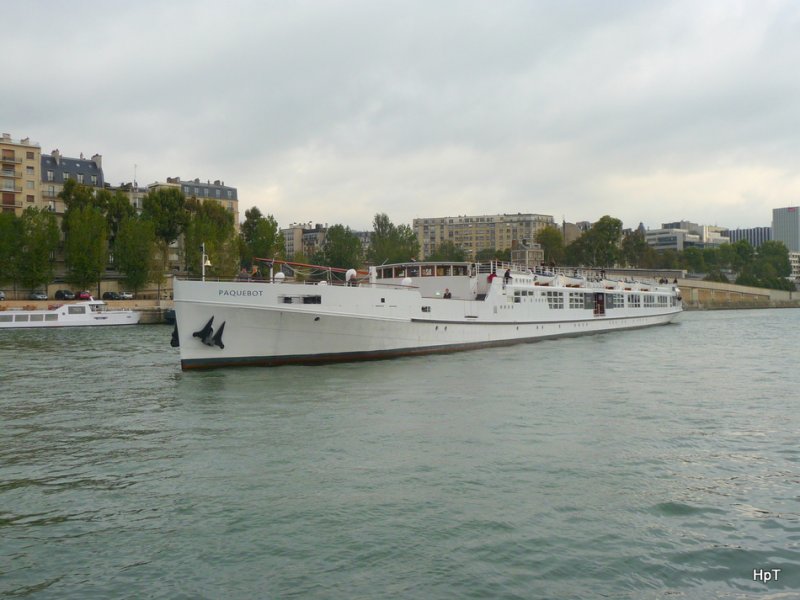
{"x":101,"y":230}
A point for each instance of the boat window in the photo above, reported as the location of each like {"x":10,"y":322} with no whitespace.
{"x":386,"y":273}
{"x":442,"y":271}
{"x":427,"y":271}
{"x":37,"y":317}
{"x":77,"y":310}
{"x":555,"y":299}
{"x":51,"y":317}
{"x":312,"y":299}
{"x":459,"y":269}
{"x":576,"y":300}
{"x":413,"y":271}
{"x":588,"y":301}
{"x":634,"y":301}
{"x":400,"y":272}
{"x":20,"y":317}
{"x":426,"y":309}
{"x":5,"y":318}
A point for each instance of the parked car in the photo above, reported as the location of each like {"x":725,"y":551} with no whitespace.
{"x":2,"y":295}
{"x":38,"y":296}
{"x":65,"y":295}
{"x":83,"y":296}
{"x":126,"y":295}
{"x":111,"y":296}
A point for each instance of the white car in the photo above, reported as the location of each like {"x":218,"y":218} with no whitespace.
{"x":126,"y":295}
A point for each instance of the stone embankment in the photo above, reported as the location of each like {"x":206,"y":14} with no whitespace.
{"x":709,"y":295}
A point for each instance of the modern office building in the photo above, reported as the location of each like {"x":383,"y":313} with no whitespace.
{"x":755,"y":235}
{"x":19,"y":174}
{"x":474,"y":233}
{"x":680,"y":235}
{"x":786,"y":227}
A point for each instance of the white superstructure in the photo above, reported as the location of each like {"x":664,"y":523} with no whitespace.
{"x":74,"y":314}
{"x":402,"y":310}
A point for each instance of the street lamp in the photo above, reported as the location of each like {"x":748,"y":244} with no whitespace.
{"x":204,"y":260}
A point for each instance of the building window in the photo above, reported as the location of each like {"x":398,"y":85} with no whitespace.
{"x":230,"y":193}
{"x":29,"y":170}
{"x":65,"y":177}
{"x":186,"y":189}
{"x":80,"y":177}
{"x":29,"y":198}
{"x":94,"y":180}
{"x":50,"y":175}
{"x":218,"y":193}
{"x":29,"y":155}
{"x":30,"y":185}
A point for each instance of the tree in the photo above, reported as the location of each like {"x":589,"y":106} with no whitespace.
{"x":693,"y":260}
{"x":135,"y":250}
{"x":165,"y":207}
{"x":599,"y":246}
{"x":118,"y":208}
{"x":448,"y":251}
{"x":10,"y":245}
{"x":211,"y":224}
{"x":552,"y":242}
{"x":77,"y":195}
{"x":260,"y":237}
{"x":390,"y":243}
{"x":38,"y":236}
{"x":86,"y":246}
{"x":341,"y":249}
{"x":634,"y":251}
{"x":489,"y":254}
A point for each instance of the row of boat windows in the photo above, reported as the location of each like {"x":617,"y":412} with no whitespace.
{"x":588,"y":301}
{"x":24,"y":318}
{"x":33,"y":317}
{"x":421,"y":271}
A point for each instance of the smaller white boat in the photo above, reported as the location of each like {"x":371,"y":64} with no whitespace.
{"x":75,"y":314}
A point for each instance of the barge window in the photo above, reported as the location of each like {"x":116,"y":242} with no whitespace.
{"x":576,"y":300}
{"x":426,"y":309}
{"x":20,"y":317}
{"x":413,"y":271}
{"x":555,"y":299}
{"x":37,"y":317}
{"x":77,"y":310}
{"x":51,"y":317}
{"x":5,"y":318}
{"x":427,"y":271}
{"x":459,"y":269}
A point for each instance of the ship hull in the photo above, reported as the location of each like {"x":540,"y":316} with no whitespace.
{"x":354,"y":324}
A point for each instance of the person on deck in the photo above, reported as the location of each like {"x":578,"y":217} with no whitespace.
{"x":447,"y":294}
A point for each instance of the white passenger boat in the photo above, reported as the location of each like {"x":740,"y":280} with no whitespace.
{"x":402,"y":309}
{"x":74,"y":314}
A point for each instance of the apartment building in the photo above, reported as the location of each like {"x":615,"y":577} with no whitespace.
{"x":19,"y":174}
{"x":58,"y":169}
{"x":474,"y":233}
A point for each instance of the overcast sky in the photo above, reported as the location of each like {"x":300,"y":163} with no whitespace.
{"x":331,"y":111}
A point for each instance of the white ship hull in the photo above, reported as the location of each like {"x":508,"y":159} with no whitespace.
{"x":280,"y":323}
{"x":91,"y":313}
